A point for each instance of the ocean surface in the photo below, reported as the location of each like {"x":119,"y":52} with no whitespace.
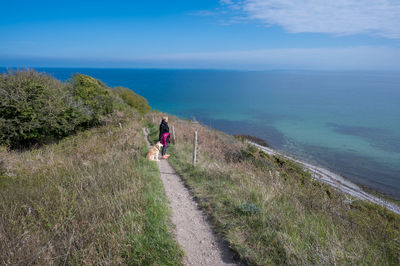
{"x":347,"y":122}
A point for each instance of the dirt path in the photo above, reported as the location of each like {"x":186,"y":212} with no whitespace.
{"x":193,"y":232}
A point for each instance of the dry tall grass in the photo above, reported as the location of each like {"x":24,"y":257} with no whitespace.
{"x":92,"y":198}
{"x":272,"y":212}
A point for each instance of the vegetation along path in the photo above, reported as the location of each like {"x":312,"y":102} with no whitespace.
{"x":193,"y":232}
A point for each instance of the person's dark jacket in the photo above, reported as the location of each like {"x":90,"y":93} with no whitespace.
{"x":163,"y":129}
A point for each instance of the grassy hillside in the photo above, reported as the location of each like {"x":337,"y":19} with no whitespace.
{"x":75,"y":187}
{"x":88,"y":196}
{"x":92,"y":198}
{"x":272,"y":212}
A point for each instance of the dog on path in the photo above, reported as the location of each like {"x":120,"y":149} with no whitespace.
{"x":154,"y":151}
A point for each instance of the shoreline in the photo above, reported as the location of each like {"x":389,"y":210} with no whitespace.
{"x":335,"y":180}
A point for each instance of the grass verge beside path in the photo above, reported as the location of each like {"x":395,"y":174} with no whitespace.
{"x":92,"y":198}
{"x":272,"y":212}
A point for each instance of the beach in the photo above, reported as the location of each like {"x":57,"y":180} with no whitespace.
{"x":335,"y":180}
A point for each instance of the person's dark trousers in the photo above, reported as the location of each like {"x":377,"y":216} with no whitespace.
{"x":164,"y":149}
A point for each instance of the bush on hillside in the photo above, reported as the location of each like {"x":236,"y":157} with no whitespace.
{"x":94,"y":94}
{"x":35,"y":107}
{"x":132,"y":99}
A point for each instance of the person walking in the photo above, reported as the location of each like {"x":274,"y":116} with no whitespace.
{"x":164,"y":137}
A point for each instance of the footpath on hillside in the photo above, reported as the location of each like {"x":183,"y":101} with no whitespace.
{"x":193,"y":232}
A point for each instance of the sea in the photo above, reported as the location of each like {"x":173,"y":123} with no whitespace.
{"x":345,"y":121}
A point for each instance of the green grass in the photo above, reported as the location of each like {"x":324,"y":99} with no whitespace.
{"x":272,"y":212}
{"x":153,"y":133}
{"x":149,"y":241}
{"x":91,"y":198}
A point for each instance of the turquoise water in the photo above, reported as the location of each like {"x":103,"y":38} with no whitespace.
{"x":348,"y":122}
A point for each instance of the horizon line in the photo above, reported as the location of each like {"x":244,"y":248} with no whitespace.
{"x":201,"y":69}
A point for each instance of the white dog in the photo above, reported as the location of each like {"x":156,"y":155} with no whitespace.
{"x":153,"y":152}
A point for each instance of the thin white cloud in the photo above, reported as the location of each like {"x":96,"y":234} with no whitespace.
{"x":337,"y":17}
{"x":350,"y":58}
{"x":204,"y":13}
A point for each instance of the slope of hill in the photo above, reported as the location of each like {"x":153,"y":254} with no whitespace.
{"x":84,"y":193}
{"x":75,"y":187}
{"x":271,"y":211}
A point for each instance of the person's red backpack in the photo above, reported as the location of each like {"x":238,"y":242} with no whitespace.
{"x":165,"y":139}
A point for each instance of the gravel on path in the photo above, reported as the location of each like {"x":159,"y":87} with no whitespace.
{"x":193,"y":232}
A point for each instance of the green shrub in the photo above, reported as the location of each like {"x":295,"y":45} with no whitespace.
{"x":248,"y":208}
{"x":35,"y":107}
{"x":132,"y":99}
{"x":94,"y":94}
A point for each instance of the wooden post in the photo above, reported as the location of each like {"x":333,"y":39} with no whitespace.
{"x":153,"y":118}
{"x":194,"y":148}
{"x":173,"y":133}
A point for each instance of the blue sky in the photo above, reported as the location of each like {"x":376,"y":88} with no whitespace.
{"x":246,"y":34}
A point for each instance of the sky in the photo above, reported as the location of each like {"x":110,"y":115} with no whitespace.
{"x":225,"y":34}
